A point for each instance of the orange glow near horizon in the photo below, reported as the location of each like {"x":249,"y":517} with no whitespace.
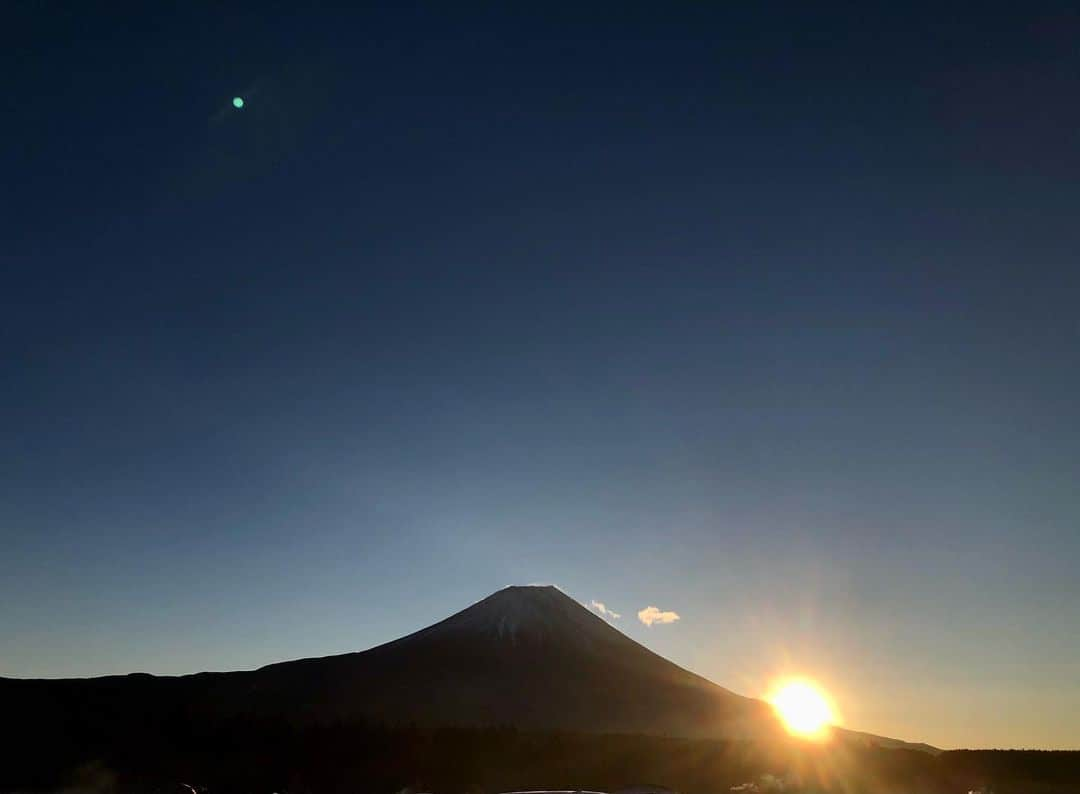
{"x":805,"y":709}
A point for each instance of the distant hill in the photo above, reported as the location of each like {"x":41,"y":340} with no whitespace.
{"x":528,"y":657}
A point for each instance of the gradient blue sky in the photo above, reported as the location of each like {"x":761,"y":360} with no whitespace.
{"x":766,"y":315}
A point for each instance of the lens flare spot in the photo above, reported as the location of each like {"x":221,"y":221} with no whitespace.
{"x":238,"y":102}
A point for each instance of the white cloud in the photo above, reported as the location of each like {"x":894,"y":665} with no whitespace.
{"x":601,"y":609}
{"x":650,"y":615}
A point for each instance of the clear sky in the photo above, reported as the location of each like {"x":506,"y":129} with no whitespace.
{"x":765,"y":314}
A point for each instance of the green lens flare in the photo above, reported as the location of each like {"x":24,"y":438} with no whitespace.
{"x":237,"y":102}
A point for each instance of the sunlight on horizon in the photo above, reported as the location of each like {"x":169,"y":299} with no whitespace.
{"x":804,"y":708}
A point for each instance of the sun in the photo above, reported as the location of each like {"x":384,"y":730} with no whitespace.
{"x":804,"y":708}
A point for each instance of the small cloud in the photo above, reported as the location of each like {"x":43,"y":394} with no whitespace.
{"x":601,"y":609}
{"x":651,"y":615}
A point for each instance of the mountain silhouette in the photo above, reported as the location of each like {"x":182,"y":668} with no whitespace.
{"x":530,"y":657}
{"x":525,"y":656}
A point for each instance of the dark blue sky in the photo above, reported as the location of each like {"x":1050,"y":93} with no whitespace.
{"x":763,"y":313}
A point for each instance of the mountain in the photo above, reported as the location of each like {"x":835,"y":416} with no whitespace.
{"x":530,"y":657}
{"x":527,"y":656}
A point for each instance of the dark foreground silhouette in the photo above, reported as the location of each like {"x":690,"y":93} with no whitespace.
{"x":251,"y":756}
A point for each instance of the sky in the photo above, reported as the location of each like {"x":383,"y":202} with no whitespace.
{"x":761,"y":314}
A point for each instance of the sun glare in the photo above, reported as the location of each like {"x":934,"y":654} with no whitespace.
{"x":804,"y":709}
